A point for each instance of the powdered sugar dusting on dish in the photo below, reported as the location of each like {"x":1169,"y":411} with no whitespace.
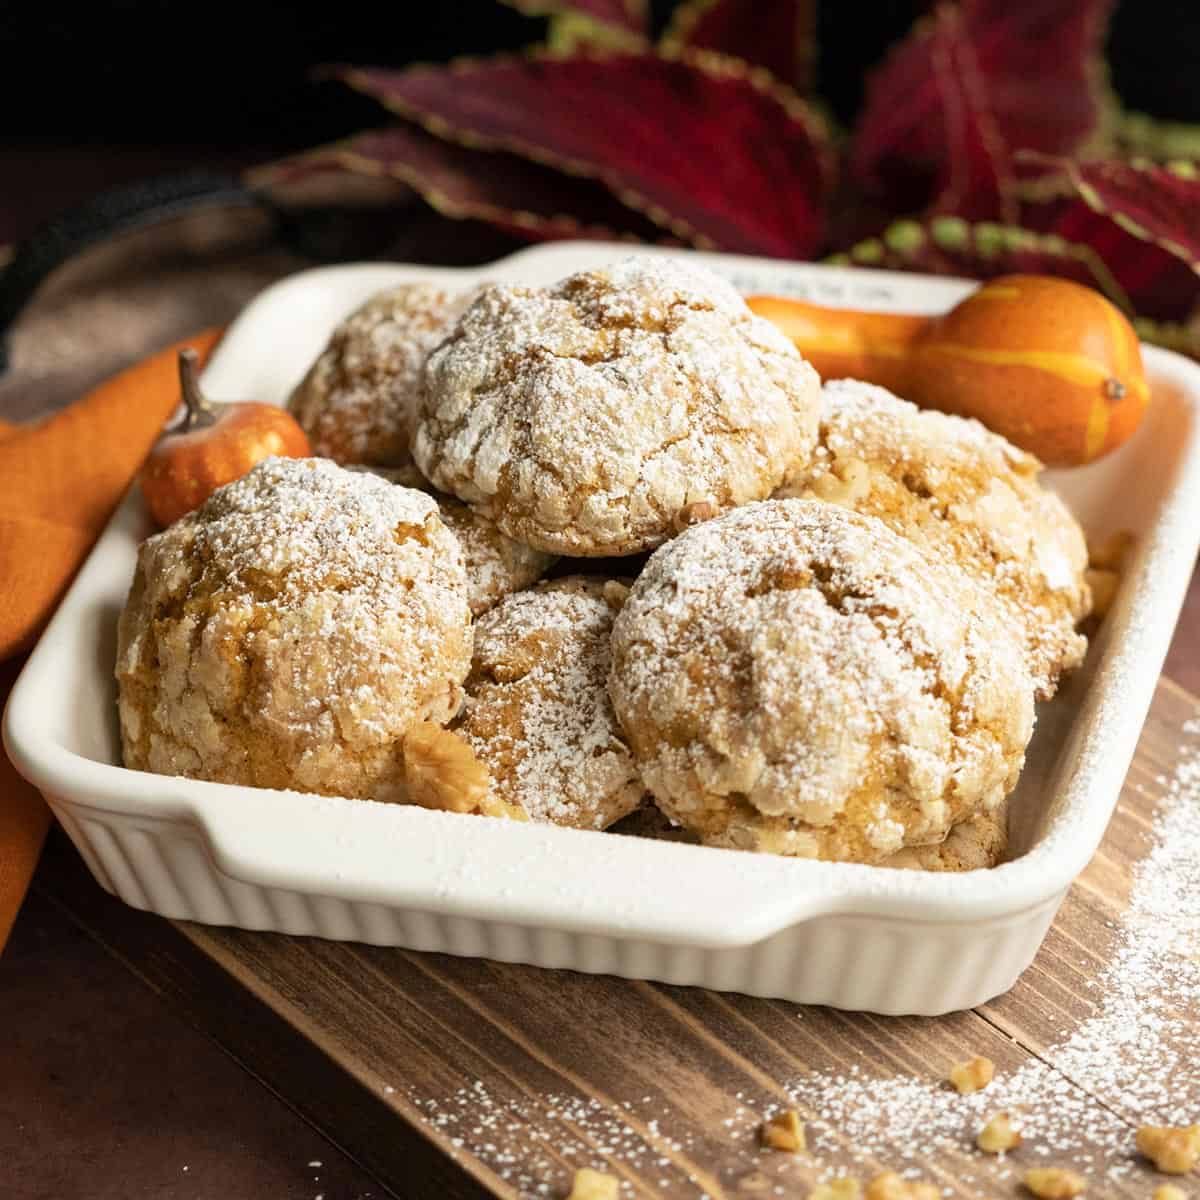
{"x":1137,"y":1054}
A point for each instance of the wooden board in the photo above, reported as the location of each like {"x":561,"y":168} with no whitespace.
{"x":454,"y":1077}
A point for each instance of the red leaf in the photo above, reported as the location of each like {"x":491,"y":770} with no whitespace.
{"x":1159,"y":204}
{"x":780,"y":35}
{"x":630,"y":15}
{"x":1159,"y":285}
{"x":703,"y":147}
{"x":521,"y":197}
{"x":967,"y":88}
{"x":951,"y":246}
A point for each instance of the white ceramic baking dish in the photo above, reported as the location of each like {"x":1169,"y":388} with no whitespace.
{"x":845,"y":935}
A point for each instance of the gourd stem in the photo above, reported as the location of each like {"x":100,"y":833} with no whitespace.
{"x":198,"y":414}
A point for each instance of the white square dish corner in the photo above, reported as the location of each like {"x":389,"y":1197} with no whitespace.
{"x":849,"y":936}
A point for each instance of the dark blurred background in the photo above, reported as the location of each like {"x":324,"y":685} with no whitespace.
{"x":148,"y":85}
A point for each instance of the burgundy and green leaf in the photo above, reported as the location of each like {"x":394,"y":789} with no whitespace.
{"x":701,"y":145}
{"x":1139,"y":135}
{"x":1158,"y":204}
{"x":1183,"y":338}
{"x":779,"y":35}
{"x":927,"y":140}
{"x":631,"y":16}
{"x":952,"y":246}
{"x":514,"y":194}
{"x":1160,"y":285}
{"x":950,"y":105}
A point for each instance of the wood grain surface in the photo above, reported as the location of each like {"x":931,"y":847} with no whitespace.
{"x":452,"y":1077}
{"x":445,"y":1077}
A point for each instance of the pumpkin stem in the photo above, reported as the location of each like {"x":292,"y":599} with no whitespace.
{"x":199,"y":412}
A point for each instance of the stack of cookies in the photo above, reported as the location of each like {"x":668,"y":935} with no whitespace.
{"x":780,"y":617}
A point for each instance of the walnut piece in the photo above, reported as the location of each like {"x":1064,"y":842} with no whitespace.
{"x":594,"y":1185}
{"x":754,"y":1182}
{"x":442,"y":771}
{"x":998,"y":1135}
{"x":694,"y":513}
{"x":1173,"y":1150}
{"x":1053,"y":1183}
{"x":890,"y":1186}
{"x":615,"y":594}
{"x":785,"y":1131}
{"x":844,"y":1187}
{"x":1168,"y":1191}
{"x":973,"y":1075}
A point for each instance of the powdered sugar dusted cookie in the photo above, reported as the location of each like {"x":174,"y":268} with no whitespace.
{"x":537,"y":713}
{"x":496,"y":565}
{"x":975,"y":844}
{"x":358,"y":401}
{"x":290,"y":631}
{"x":794,"y":677}
{"x":586,"y":417}
{"x":970,"y":497}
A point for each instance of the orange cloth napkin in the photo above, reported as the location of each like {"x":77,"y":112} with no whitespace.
{"x":59,"y":483}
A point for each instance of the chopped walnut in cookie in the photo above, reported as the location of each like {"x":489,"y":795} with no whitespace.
{"x":973,"y":1075}
{"x":1053,"y":1183}
{"x":594,"y":1185}
{"x":694,"y":513}
{"x":1173,"y":1150}
{"x":442,"y":771}
{"x":785,"y":1131}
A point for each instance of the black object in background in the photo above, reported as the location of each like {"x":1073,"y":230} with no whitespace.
{"x":219,"y":73}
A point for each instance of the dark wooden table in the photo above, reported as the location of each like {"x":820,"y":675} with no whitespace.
{"x":132,"y":1053}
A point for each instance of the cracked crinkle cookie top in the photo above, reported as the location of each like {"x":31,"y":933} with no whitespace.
{"x":537,"y":713}
{"x":358,"y":401}
{"x":795,"y":677}
{"x":496,"y":565}
{"x":585,"y":417}
{"x":968,"y":495}
{"x":290,"y":631}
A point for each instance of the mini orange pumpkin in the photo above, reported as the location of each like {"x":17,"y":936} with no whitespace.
{"x":1050,"y":364}
{"x":212,"y":445}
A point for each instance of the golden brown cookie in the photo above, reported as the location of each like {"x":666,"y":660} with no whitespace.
{"x":975,"y":844}
{"x":537,"y":713}
{"x":358,"y":401}
{"x":496,"y":565}
{"x":290,"y":631}
{"x":968,"y":496}
{"x":796,"y":678}
{"x":584,"y":418}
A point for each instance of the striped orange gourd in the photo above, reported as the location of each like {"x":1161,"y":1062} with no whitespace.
{"x":1050,"y":364}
